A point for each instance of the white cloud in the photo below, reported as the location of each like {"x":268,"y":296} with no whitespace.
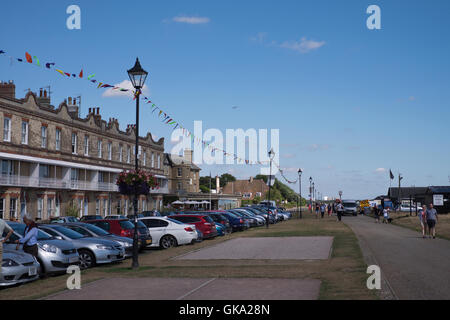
{"x":125,"y":84}
{"x":380,"y":170}
{"x":191,"y":20}
{"x":302,"y":46}
{"x":288,"y":155}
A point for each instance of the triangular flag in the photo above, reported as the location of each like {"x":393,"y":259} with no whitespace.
{"x":81,"y":74}
{"x":28,"y":57}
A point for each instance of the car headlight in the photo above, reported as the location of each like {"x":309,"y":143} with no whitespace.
{"x":9,"y":263}
{"x":126,"y":244}
{"x":48,"y":248}
{"x":103,"y":247}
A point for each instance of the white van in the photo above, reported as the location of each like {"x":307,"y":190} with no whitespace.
{"x":350,"y":207}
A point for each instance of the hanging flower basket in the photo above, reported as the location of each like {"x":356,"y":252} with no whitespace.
{"x":135,"y":182}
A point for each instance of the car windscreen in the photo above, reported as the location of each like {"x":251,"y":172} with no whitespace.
{"x":208,"y":219}
{"x":20,"y":229}
{"x":127,"y":225}
{"x":232,"y":215}
{"x":349,"y":204}
{"x":68,"y":232}
{"x":97,"y":230}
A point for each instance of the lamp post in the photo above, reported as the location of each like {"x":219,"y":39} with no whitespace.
{"x":300,"y":192}
{"x":271,"y":156}
{"x":340,"y":195}
{"x":314,"y":193}
{"x":310,"y":194}
{"x":137,"y":77}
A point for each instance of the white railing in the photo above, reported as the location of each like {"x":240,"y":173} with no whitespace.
{"x":33,"y":182}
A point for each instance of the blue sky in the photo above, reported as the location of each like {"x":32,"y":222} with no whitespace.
{"x":347,"y":100}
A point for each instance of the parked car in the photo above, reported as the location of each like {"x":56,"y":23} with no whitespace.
{"x":267,"y":212}
{"x":285,"y":212}
{"x":168,"y":232}
{"x":257,"y":213}
{"x":64,"y":219}
{"x":54,"y":255}
{"x":124,"y":228}
{"x":90,"y":217}
{"x":248,"y":222}
{"x":201,"y":221}
{"x":131,"y":216}
{"x":219,"y":218}
{"x":90,"y":230}
{"x":236,"y":222}
{"x":92,"y":250}
{"x":220,"y":229}
{"x":18,"y":267}
{"x":259,"y":220}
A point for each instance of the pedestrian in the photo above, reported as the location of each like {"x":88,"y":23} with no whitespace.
{"x":329,"y":209}
{"x":317,"y":210}
{"x":4,"y":227}
{"x":376,"y":213}
{"x":339,"y":210}
{"x":423,"y":220}
{"x":29,"y":241}
{"x":386,"y":218}
{"x":322,"y":210}
{"x":432,"y":219}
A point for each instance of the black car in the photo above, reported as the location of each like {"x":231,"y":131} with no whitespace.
{"x":219,"y":218}
{"x":143,"y":232}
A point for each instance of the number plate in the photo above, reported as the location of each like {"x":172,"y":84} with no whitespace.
{"x":73,"y":259}
{"x":32,"y":271}
{"x":148,"y":241}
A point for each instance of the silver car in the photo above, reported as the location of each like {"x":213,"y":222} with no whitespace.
{"x":18,"y":267}
{"x":90,"y":230}
{"x":92,"y":250}
{"x":54,"y":255}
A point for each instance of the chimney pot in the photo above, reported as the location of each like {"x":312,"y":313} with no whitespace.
{"x":98,"y":111}
{"x":45,"y":93}
{"x":90,"y":110}
{"x":40,"y":93}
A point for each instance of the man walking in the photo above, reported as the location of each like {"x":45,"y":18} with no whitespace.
{"x":432,"y":219}
{"x":4,"y":227}
{"x":322,"y":210}
{"x":339,"y":210}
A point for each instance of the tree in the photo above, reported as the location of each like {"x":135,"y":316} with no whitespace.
{"x":204,"y":189}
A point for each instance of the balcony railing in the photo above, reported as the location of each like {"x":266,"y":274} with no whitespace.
{"x":52,"y":183}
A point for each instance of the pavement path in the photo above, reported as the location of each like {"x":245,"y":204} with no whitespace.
{"x":194,"y":289}
{"x":412,"y":267}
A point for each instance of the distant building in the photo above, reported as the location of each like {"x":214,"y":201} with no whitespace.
{"x":423,"y":195}
{"x":184,"y":175}
{"x":248,"y":189}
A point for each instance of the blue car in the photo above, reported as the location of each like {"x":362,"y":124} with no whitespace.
{"x":237,"y":223}
{"x":220,"y":229}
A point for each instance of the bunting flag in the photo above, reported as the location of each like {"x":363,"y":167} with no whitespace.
{"x":167,"y":119}
{"x":28,"y":57}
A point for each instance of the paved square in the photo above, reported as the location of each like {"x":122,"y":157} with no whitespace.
{"x":194,"y":289}
{"x":276,"y":248}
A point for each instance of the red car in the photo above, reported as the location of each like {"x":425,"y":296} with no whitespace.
{"x":124,"y":228}
{"x":202,"y":222}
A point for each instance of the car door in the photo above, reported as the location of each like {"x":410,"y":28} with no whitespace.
{"x":155,"y":228}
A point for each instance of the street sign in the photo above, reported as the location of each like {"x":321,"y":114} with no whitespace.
{"x":438,"y":199}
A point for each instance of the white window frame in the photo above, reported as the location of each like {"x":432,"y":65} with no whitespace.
{"x":100,"y":147}
{"x":2,"y":208}
{"x":128,"y":154}
{"x":109,"y":150}
{"x":97,"y":206}
{"x":120,"y":153}
{"x":40,"y":207}
{"x":74,"y":143}
{"x":159,"y":161}
{"x":105,"y":207}
{"x":49,"y":207}
{"x":153,"y":159}
{"x":144,"y":160}
{"x":179,"y":172}
{"x":24,"y":133}
{"x":58,"y":139}
{"x":7,"y":129}
{"x":44,"y":131}
{"x":86,"y":146}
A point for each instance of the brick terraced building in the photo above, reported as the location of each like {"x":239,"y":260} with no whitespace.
{"x":51,"y":159}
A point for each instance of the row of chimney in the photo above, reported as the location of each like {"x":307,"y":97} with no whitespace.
{"x":94,"y":111}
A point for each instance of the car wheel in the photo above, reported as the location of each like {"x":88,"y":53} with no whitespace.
{"x":167,"y":242}
{"x":87,"y":259}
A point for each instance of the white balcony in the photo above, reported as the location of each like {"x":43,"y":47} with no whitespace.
{"x":51,"y":183}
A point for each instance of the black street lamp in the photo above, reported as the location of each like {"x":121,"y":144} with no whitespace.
{"x":340,"y":195}
{"x":314,"y":193}
{"x":300,"y":192}
{"x":137,"y":77}
{"x":310,"y":193}
{"x":271,"y":156}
